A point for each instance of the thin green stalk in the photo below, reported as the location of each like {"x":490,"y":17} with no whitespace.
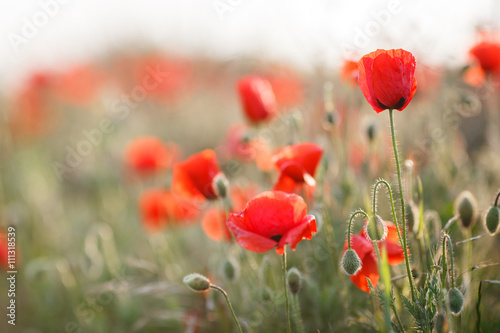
{"x":349,"y":225}
{"x":383,"y":268}
{"x":447,"y":237}
{"x":405,"y":247}
{"x":497,"y":198}
{"x":223,"y":292}
{"x":478,"y":309}
{"x":397,"y":318}
{"x":298,"y":317}
{"x":285,"y":289}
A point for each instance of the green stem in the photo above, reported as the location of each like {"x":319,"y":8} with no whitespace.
{"x":447,"y":237}
{"x":478,"y":309}
{"x":497,"y":198}
{"x":405,"y":247}
{"x":285,"y":289}
{"x":398,"y":320}
{"x":384,"y":278}
{"x":223,"y":292}
{"x":349,"y":225}
{"x":298,"y":318}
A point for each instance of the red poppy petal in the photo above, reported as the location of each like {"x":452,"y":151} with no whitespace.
{"x":369,"y":269}
{"x":365,"y":82}
{"x":285,"y":184}
{"x":248,"y":239}
{"x":214,"y":224}
{"x":304,"y":230}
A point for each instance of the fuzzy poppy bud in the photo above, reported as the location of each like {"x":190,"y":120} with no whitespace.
{"x":376,"y":229}
{"x":492,"y":220}
{"x":466,"y":209}
{"x":230,"y":269}
{"x":372,"y":131}
{"x":294,"y":280}
{"x":351,"y":263}
{"x":196,"y":282}
{"x":456,"y":300}
{"x":330,"y":118}
{"x":266,"y":294}
{"x":220,"y":185}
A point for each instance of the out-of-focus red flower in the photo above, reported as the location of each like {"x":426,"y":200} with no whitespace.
{"x":257,"y":98}
{"x":240,"y":195}
{"x":214,"y":225}
{"x":474,"y":76}
{"x":31,"y":114}
{"x":297,"y":165}
{"x":193,"y":178}
{"x":4,"y":251}
{"x":486,"y":55}
{"x":148,"y":155}
{"x":364,"y":248}
{"x":159,"y":207}
{"x":79,"y":85}
{"x":237,"y":144}
{"x":272,"y":219}
{"x":387,"y":79}
{"x":349,"y":72}
{"x":287,"y":87}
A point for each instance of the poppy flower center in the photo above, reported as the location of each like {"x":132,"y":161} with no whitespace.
{"x":276,"y":238}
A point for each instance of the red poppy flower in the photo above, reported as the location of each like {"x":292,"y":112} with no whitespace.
{"x":147,"y":155}
{"x":237,"y":144}
{"x":79,"y":85}
{"x":272,"y":219}
{"x":214,"y":225}
{"x":287,"y":87}
{"x":159,"y":207}
{"x":349,"y":72}
{"x":4,"y":251}
{"x":257,"y":98}
{"x":297,"y":164}
{"x":487,"y":53}
{"x":193,"y":177}
{"x":365,"y":251}
{"x":387,"y":79}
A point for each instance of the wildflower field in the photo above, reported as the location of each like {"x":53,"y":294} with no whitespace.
{"x":150,"y":191}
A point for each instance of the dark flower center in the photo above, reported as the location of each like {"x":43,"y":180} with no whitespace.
{"x":398,"y":105}
{"x":276,"y":238}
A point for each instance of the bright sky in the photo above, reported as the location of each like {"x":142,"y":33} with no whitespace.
{"x":49,"y":33}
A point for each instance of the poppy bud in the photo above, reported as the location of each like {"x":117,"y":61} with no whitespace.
{"x":330,"y":118}
{"x":372,"y":131}
{"x":230,"y":269}
{"x":266,"y":294}
{"x":376,"y":229}
{"x":196,"y":282}
{"x":466,"y":209}
{"x":351,"y":263}
{"x":441,"y":323}
{"x":220,"y":185}
{"x":492,"y":220}
{"x":294,"y":280}
{"x":456,"y":300}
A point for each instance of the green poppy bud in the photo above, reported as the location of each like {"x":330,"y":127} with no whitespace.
{"x":220,"y":185}
{"x":456,"y":300}
{"x":230,"y":269}
{"x":492,"y":220}
{"x":466,"y":209}
{"x":376,"y":229}
{"x":351,"y":263}
{"x":294,"y":280}
{"x":196,"y":282}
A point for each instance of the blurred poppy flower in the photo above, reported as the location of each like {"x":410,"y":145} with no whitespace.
{"x":349,"y":72}
{"x":297,"y":165}
{"x":194,"y":177}
{"x":486,"y":55}
{"x":287,"y":87}
{"x":257,"y":98}
{"x":159,"y":207}
{"x":148,"y":155}
{"x":272,"y":219}
{"x":214,"y":225}
{"x":4,"y":251}
{"x":364,"y":248}
{"x":31,"y":114}
{"x":387,"y":79}
{"x":237,"y":144}
{"x":240,"y":195}
{"x":79,"y":85}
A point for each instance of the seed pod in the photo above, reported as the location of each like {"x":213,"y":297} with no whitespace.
{"x":220,"y":185}
{"x":492,"y":220}
{"x":351,"y":263}
{"x":466,"y":209}
{"x":196,"y":282}
{"x":294,"y":280}
{"x":456,"y":300}
{"x":376,"y":229}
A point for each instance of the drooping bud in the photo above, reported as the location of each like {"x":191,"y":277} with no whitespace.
{"x":492,"y":220}
{"x":351,"y":263}
{"x":230,"y":269}
{"x":294,"y":280}
{"x":376,"y":229}
{"x":466,"y":209}
{"x":456,"y":300}
{"x":196,"y":282}
{"x":220,"y":185}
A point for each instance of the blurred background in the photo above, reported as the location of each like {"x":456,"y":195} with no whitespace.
{"x":80,"y":81}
